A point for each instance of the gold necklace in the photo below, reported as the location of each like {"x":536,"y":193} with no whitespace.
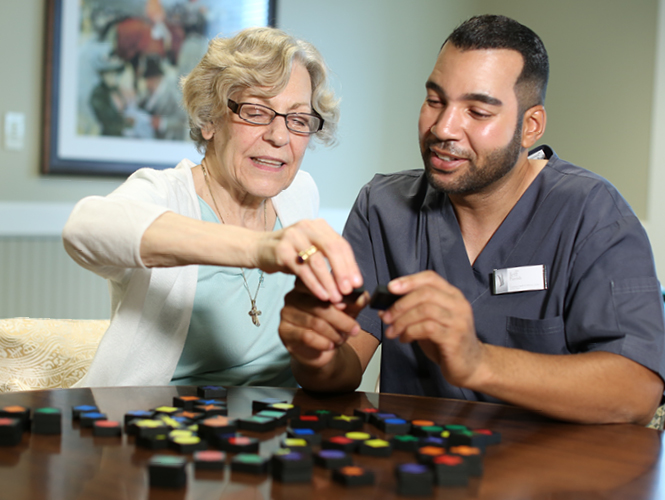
{"x":254,"y":312}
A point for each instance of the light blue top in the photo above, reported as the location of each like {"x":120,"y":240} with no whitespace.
{"x":223,"y":346}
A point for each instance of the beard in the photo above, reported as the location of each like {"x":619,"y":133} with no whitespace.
{"x":481,"y":172}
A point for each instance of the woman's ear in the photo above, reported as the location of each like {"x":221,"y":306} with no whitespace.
{"x":533,"y":126}
{"x":208,"y":131}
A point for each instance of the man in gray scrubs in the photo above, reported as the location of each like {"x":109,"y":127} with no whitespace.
{"x":523,"y":278}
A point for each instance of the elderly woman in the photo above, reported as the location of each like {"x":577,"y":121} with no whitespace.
{"x":192,"y":253}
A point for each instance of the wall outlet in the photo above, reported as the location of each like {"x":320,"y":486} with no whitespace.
{"x":14,"y":131}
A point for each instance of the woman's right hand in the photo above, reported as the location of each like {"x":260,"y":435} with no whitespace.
{"x":330,"y":272}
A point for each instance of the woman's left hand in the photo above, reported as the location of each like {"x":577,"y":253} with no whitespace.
{"x":314,"y":252}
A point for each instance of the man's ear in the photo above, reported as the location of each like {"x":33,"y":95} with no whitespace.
{"x":533,"y":126}
{"x":208,"y":131}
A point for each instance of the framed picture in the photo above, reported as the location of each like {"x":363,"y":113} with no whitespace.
{"x":112,"y":95}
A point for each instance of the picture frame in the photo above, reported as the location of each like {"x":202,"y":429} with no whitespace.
{"x":111,"y":93}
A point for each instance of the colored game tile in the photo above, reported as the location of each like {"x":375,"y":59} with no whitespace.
{"x":190,"y":416}
{"x":187,"y":444}
{"x":158,"y":442}
{"x":434,"y":441}
{"x":47,"y":421}
{"x":406,"y":442}
{"x":262,"y":404}
{"x":296,"y":444}
{"x":456,"y":427}
{"x":149,"y":428}
{"x":332,"y":459}
{"x":209,"y":460}
{"x":365,"y":413}
{"x":185,"y":402}
{"x":289,"y":409}
{"x":21,"y":413}
{"x":106,"y":428}
{"x":216,"y":425}
{"x":167,"y":471}
{"x":211,"y":392}
{"x":278,"y":415}
{"x":353,"y":475}
{"x":307,"y":421}
{"x":212,"y":410}
{"x":256,"y":423}
{"x":170,"y":422}
{"x":77,"y":410}
{"x":292,"y":467}
{"x":217,"y":402}
{"x":394,"y":426}
{"x":137,"y":415}
{"x":450,"y":470}
{"x":375,"y":448}
{"x":312,"y":437}
{"x":341,"y":443}
{"x":87,"y":419}
{"x":425,"y":454}
{"x":346,"y":423}
{"x":236,"y":444}
{"x":165,"y":410}
{"x":323,"y":414}
{"x":250,"y":463}
{"x":358,"y":436}
{"x":11,"y":431}
{"x":414,"y":479}
{"x":473,"y":457}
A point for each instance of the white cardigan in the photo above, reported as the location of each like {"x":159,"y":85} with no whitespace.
{"x":150,"y":308}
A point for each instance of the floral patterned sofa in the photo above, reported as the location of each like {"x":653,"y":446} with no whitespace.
{"x":46,"y":353}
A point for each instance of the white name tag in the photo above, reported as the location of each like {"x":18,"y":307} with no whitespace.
{"x":519,"y":279}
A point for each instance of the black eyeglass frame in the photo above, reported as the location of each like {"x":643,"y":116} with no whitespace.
{"x":236,"y":106}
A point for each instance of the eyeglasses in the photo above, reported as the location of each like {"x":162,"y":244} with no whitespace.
{"x":257,"y":114}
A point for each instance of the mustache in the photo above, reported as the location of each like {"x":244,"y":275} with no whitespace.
{"x":446,"y":147}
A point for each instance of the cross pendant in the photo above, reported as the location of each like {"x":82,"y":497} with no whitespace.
{"x":255,"y":313}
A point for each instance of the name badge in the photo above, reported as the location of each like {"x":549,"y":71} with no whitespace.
{"x":519,"y":279}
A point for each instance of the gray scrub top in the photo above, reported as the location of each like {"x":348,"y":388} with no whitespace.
{"x":602,"y":291}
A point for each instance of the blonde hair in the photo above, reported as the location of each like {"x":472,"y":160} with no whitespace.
{"x":260,"y":59}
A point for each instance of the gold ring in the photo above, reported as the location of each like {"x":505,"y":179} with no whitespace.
{"x":306,"y":254}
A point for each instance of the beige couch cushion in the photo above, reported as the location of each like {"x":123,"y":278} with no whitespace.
{"x":46,"y":353}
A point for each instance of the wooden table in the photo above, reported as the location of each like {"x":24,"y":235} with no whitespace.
{"x":537,"y":459}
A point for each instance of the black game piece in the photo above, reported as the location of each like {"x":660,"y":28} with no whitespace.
{"x":149,"y":428}
{"x":375,"y":448}
{"x":376,"y":418}
{"x":324,"y":415}
{"x":297,"y":444}
{"x":450,"y":470}
{"x":492,"y":437}
{"x":414,"y":479}
{"x":216,"y":425}
{"x":137,"y":415}
{"x":256,"y":423}
{"x":77,"y":410}
{"x":292,"y":467}
{"x":406,"y":442}
{"x":211,"y":391}
{"x":209,"y":460}
{"x":289,"y":410}
{"x":394,"y":426}
{"x":236,"y":444}
{"x":352,"y":475}
{"x":341,"y":443}
{"x":278,"y":415}
{"x":313,"y":438}
{"x":262,"y":404}
{"x":365,"y":413}
{"x":11,"y":431}
{"x":159,"y":442}
{"x":106,"y":428}
{"x":250,"y":463}
{"x":426,"y":454}
{"x":382,"y":299}
{"x":167,"y":471}
{"x":426,"y":430}
{"x":87,"y":419}
{"x":346,"y":423}
{"x":187,"y":444}
{"x":468,"y":438}
{"x":185,"y":402}
{"x":332,"y":459}
{"x":308,"y":422}
{"x":472,"y":456}
{"x":47,"y":421}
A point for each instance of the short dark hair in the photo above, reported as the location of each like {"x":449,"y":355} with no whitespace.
{"x":500,"y":32}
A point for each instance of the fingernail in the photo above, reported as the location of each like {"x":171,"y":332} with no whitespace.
{"x":357,"y":280}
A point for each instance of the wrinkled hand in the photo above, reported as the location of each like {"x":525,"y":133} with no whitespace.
{"x":279,"y":252}
{"x":312,"y":330}
{"x":436,"y":315}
